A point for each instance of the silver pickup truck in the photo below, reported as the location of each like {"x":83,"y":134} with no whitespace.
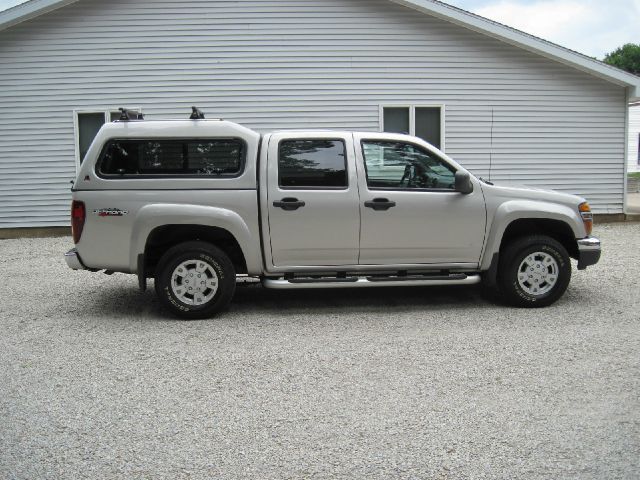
{"x":196,"y":204}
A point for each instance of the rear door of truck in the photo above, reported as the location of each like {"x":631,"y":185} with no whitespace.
{"x":312,"y":203}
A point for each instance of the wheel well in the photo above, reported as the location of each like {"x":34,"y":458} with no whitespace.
{"x":163,"y":238}
{"x":555,"y":229}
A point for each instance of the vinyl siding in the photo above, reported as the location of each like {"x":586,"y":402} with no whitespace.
{"x":634,"y":139}
{"x":510,"y":114}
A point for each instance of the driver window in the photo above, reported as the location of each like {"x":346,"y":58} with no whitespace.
{"x":398,"y":165}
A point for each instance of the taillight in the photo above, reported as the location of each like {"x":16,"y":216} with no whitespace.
{"x":78,"y":214}
{"x":587,"y":217}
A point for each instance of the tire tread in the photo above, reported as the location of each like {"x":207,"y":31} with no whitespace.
{"x":512,"y":255}
{"x":181,"y":252}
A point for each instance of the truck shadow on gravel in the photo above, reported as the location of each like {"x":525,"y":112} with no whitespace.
{"x":355,"y":300}
{"x":254,"y":300}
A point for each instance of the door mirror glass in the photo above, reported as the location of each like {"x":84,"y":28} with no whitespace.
{"x":463,"y":182}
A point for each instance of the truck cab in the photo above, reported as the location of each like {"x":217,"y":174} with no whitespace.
{"x":194,"y":204}
{"x":369,"y":200}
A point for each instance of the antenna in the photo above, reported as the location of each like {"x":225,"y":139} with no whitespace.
{"x":491,"y":146}
{"x":196,"y":114}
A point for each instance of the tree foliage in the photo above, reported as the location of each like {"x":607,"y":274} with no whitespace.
{"x":626,"y":57}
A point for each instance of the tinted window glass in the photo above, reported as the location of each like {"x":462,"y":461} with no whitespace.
{"x":88,"y":126}
{"x":313,"y":163}
{"x":401,"y":165}
{"x":215,"y":158}
{"x":173,"y":157}
{"x":428,"y":124}
{"x":396,"y":119}
{"x":160,"y":157}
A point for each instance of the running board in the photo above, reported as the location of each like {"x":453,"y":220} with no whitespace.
{"x":408,"y":281}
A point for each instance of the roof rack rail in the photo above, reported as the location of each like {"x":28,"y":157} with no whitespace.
{"x":126,"y":115}
{"x":196,"y":114}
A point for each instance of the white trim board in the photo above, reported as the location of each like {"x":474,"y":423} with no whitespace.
{"x":28,"y":10}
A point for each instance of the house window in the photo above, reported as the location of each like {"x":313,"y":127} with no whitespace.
{"x":87,"y":124}
{"x":424,"y":121}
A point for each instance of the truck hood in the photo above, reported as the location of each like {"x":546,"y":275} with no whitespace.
{"x":524,"y":192}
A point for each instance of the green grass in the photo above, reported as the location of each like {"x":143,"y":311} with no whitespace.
{"x":634,"y":175}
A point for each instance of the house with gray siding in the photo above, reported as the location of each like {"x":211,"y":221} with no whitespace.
{"x":509,"y":106}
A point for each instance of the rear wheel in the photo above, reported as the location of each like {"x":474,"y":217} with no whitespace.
{"x":195,"y":280}
{"x":534,"y":271}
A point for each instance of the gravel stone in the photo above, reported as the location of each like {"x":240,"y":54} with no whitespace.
{"x":96,"y":381}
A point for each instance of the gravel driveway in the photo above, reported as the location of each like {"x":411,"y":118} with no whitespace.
{"x":96,"y":382}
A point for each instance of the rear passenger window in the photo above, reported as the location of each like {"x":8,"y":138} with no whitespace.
{"x":312,"y":163}
{"x":220,"y":157}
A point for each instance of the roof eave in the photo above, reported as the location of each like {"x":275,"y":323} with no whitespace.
{"x":526,"y":41}
{"x":28,"y":10}
{"x":34,"y":8}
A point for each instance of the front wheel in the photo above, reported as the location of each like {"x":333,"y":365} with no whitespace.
{"x":534,"y":271}
{"x":195,"y":280}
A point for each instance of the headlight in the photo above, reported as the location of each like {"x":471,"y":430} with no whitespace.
{"x":587,"y":217}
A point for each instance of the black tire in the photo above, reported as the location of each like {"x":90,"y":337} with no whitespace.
{"x":195,"y":254}
{"x":521,"y":292}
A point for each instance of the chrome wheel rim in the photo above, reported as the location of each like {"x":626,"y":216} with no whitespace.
{"x":538,"y":273}
{"x":194,"y":282}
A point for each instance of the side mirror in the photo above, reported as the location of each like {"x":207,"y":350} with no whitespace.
{"x":463,"y":182}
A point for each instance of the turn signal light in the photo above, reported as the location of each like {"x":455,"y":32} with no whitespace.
{"x":587,"y":217}
{"x":78,"y":215}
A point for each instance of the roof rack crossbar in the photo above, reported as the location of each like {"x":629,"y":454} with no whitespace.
{"x":126,"y":115}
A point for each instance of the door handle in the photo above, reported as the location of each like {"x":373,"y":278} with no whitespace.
{"x":288,"y":204}
{"x":379,"y":204}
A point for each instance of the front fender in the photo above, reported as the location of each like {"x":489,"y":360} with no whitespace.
{"x":512,"y":210}
{"x":156,"y":215}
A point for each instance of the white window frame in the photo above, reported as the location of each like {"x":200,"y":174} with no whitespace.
{"x":107,"y":111}
{"x":412,"y":117}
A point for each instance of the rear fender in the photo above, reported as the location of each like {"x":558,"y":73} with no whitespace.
{"x":156,"y":215}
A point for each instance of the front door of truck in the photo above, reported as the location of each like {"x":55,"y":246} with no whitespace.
{"x":312,"y":200}
{"x":410,"y":211}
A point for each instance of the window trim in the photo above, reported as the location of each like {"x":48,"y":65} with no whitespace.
{"x":335,"y":139}
{"x":394,"y":189}
{"x":147,"y":176}
{"x":412,"y":117}
{"x":639,"y":149}
{"x":107,"y":111}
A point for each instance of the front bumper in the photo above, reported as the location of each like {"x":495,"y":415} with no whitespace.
{"x":589,"y":250}
{"x":73,"y":260}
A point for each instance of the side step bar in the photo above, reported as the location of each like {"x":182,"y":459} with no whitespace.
{"x":408,"y":281}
